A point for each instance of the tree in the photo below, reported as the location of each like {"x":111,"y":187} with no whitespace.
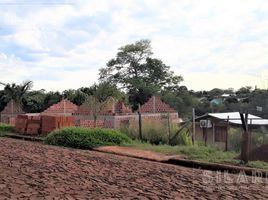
{"x":104,"y":90}
{"x":33,"y":101}
{"x":3,"y":100}
{"x":76,"y":96}
{"x":181,"y":99}
{"x":134,"y":70}
{"x":52,"y":98}
{"x":16,"y":92}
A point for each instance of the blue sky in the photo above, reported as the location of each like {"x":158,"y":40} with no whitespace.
{"x":62,"y":44}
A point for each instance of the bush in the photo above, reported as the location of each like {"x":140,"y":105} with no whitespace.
{"x":184,"y":139}
{"x":6,"y":128}
{"x":85,"y":138}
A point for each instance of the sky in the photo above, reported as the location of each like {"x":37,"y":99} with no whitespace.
{"x":62,"y":44}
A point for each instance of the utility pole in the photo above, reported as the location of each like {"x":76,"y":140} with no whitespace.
{"x":245,"y":138}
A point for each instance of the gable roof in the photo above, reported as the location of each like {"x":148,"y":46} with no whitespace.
{"x":234,"y":118}
{"x":64,"y":106}
{"x":12,"y":108}
{"x":156,"y":105}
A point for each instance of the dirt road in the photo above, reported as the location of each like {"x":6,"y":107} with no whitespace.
{"x":34,"y":171}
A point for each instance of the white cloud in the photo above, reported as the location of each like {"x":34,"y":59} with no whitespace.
{"x":207,"y":42}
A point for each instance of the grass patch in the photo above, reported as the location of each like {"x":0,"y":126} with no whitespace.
{"x":85,"y":138}
{"x":202,"y":153}
{"x":4,"y":128}
{"x":257,"y":164}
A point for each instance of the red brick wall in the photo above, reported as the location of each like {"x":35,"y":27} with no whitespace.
{"x":89,"y":123}
{"x":34,"y":125}
{"x":50,"y":123}
{"x":156,"y":105}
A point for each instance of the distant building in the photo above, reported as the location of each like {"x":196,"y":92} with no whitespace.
{"x":213,"y":128}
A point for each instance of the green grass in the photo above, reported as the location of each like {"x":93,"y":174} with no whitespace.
{"x":257,"y":164}
{"x":4,"y":128}
{"x":85,"y":138}
{"x":205,"y":153}
{"x":200,"y":153}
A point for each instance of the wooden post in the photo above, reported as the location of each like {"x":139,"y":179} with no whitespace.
{"x":154,"y":104}
{"x":193,"y":134}
{"x":64,"y":106}
{"x":250,"y":136}
{"x":168,"y":122}
{"x":205,"y":135}
{"x":245,"y":138}
{"x":140,"y":123}
{"x":12,"y":107}
{"x":227,"y":132}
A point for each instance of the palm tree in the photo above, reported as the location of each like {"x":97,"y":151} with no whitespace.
{"x":16,"y":92}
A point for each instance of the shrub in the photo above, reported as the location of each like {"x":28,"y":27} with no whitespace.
{"x":6,"y":128}
{"x":85,"y":138}
{"x":185,"y":139}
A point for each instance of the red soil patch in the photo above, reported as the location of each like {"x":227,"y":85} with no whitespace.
{"x":35,"y":171}
{"x":137,"y":153}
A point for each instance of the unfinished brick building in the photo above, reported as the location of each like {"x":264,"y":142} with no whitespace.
{"x":92,"y":113}
{"x":64,"y":107}
{"x":115,"y":114}
{"x":56,"y":116}
{"x":156,"y":105}
{"x":10,"y":112}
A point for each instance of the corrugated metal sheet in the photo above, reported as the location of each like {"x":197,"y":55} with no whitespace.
{"x":234,"y":117}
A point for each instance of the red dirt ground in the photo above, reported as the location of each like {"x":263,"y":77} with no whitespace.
{"x":136,"y":153}
{"x":33,"y":171}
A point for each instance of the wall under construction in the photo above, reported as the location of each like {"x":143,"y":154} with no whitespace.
{"x":109,"y":114}
{"x":10,"y":112}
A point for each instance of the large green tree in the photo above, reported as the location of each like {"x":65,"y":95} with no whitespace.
{"x":135,"y":70}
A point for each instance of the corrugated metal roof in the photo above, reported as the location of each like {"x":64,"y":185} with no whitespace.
{"x":234,"y":118}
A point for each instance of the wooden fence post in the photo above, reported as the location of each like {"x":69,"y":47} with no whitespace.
{"x":168,"y":122}
{"x":140,"y":122}
{"x":193,"y":134}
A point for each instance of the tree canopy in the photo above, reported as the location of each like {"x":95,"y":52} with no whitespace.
{"x":135,"y":70}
